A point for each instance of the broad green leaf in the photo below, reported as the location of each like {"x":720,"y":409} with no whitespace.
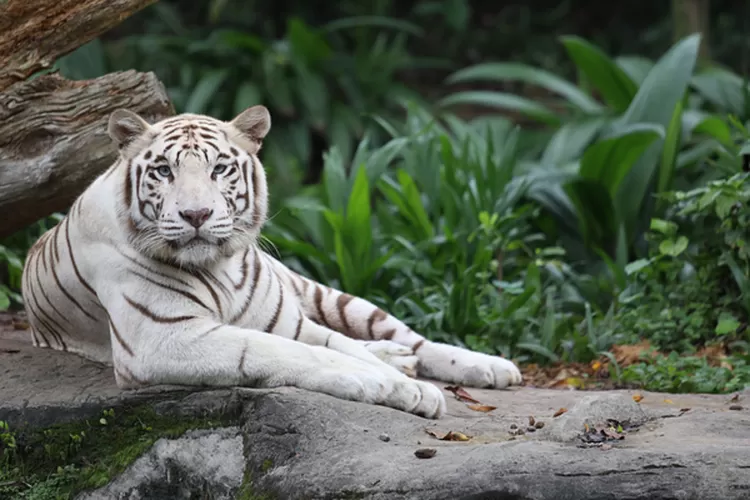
{"x":335,"y":180}
{"x":636,"y":67}
{"x":570,"y":140}
{"x":358,"y":217}
{"x":596,"y":214}
{"x":504,"y":101}
{"x":669,"y":152}
{"x":655,"y":102}
{"x":609,"y":160}
{"x":520,"y":72}
{"x":248,"y":94}
{"x":4,"y":300}
{"x":373,"y":22}
{"x":715,"y":127}
{"x":723,"y":89}
{"x":205,"y":91}
{"x":615,"y":86}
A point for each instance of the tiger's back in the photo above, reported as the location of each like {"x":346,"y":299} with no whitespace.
{"x":63,"y":309}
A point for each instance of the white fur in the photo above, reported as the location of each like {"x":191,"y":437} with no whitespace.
{"x":139,"y":294}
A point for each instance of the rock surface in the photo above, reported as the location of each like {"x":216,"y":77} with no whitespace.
{"x":296,"y":444}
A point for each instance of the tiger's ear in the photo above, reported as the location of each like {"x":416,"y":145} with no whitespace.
{"x":126,"y":126}
{"x":254,"y":123}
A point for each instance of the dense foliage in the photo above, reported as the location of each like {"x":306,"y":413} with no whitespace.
{"x":520,"y":211}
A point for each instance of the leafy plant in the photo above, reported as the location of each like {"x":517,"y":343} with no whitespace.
{"x":619,"y":138}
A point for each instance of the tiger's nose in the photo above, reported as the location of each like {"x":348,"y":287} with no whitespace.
{"x":196,"y":218}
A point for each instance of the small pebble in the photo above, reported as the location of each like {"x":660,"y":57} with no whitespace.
{"x":735,"y":407}
{"x":384,"y":437}
{"x":513,"y":426}
{"x":539,"y":424}
{"x":531,"y":429}
{"x":425,"y":452}
{"x":532,"y":421}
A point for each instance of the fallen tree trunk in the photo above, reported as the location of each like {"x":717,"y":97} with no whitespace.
{"x":54,"y":141}
{"x":34,"y":33}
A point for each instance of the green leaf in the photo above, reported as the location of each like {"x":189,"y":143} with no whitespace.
{"x":636,"y":266}
{"x":671,"y":148}
{"x":334,"y":180}
{"x":205,"y":91}
{"x":4,"y":300}
{"x":723,"y":89}
{"x":596,"y":213}
{"x":727,"y":324}
{"x":358,"y":217}
{"x":500,"y":72}
{"x":636,"y":67}
{"x":615,"y":86}
{"x":667,"y":228}
{"x":673,"y":248}
{"x":609,"y":160}
{"x":570,"y":140}
{"x":655,"y":102}
{"x":373,"y":22}
{"x":247,"y":95}
{"x":715,"y":127}
{"x":504,"y":101}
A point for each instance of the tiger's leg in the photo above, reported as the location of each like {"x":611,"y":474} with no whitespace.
{"x":360,"y":319}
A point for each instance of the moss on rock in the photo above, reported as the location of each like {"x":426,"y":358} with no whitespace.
{"x":60,"y":461}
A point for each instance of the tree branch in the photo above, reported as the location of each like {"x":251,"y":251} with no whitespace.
{"x":54,"y":141}
{"x":34,"y":33}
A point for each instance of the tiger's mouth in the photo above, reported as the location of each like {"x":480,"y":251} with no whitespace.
{"x":196,"y":240}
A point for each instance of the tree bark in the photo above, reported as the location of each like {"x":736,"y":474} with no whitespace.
{"x":692,"y":16}
{"x":34,"y":33}
{"x":54,"y":141}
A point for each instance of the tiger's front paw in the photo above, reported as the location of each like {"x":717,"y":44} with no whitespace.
{"x":462,"y":366}
{"x":349,"y":378}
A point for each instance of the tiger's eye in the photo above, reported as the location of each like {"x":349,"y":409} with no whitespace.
{"x":164,"y":171}
{"x":220,"y":169}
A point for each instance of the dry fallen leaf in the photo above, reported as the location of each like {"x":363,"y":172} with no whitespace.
{"x":461,"y":394}
{"x":425,"y":452}
{"x":669,"y":401}
{"x":449,"y":436}
{"x":596,"y":365}
{"x":735,"y":407}
{"x":455,"y":436}
{"x":482,"y":408}
{"x":532,"y":420}
{"x":627,"y":355}
{"x":559,"y":412}
{"x":735,"y":398}
{"x":637,"y":398}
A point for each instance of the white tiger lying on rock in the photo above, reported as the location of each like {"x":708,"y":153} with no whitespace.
{"x":156,"y":270}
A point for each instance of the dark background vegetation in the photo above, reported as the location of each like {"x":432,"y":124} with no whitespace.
{"x":561,"y":208}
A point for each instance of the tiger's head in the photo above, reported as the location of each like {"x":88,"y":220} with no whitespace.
{"x":193,"y":188}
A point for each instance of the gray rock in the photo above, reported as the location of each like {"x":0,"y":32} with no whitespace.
{"x":199,"y":461}
{"x":294,"y":444}
{"x":595,"y":410}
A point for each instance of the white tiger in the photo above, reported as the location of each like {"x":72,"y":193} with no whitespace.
{"x":156,"y":270}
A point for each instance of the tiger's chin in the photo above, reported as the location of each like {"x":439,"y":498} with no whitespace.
{"x":197,"y":253}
